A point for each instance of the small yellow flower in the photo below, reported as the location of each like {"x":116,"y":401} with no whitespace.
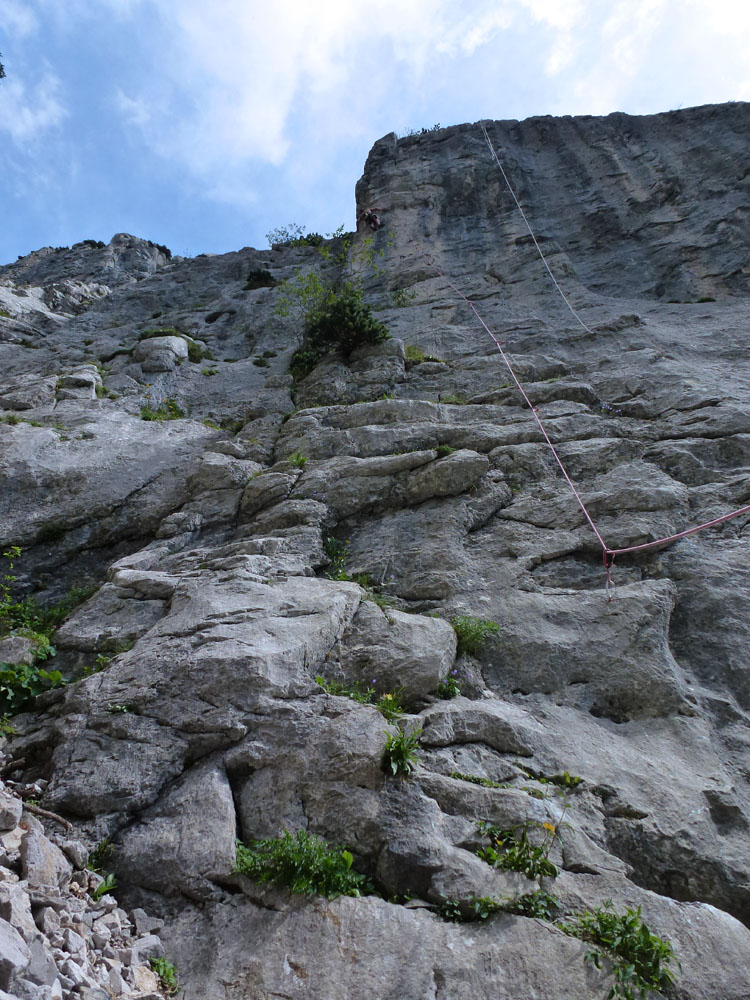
{"x":388,"y":697}
{"x":549,"y":826}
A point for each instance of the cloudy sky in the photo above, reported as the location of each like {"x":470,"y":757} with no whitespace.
{"x":203,"y":126}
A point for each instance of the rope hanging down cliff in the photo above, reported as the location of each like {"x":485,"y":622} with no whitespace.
{"x":608,"y":554}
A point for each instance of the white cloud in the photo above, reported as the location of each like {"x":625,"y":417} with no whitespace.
{"x":615,"y":55}
{"x":731,"y":17}
{"x":27,"y":113}
{"x":244,"y":83}
{"x":135,"y":111}
{"x":233,"y":75}
{"x":18,"y":19}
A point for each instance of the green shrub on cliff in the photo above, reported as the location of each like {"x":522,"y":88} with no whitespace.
{"x":303,"y":863}
{"x":330,"y":302}
{"x":640,"y":958}
{"x":472,"y":632}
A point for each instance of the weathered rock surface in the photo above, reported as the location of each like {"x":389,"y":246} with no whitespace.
{"x":277,"y":532}
{"x":59,"y":938}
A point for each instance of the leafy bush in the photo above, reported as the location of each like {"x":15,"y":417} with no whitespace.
{"x":472,"y":632}
{"x":293,"y":235}
{"x":18,"y":616}
{"x":259,"y":278}
{"x":303,"y":361}
{"x":401,"y":298}
{"x":8,"y":577}
{"x":297,"y":459}
{"x":304,"y":863}
{"x":20,"y":682}
{"x":333,"y":312}
{"x":344,"y":323}
{"x":465,"y":911}
{"x":400,"y":755}
{"x":420,"y":131}
{"x":414,"y":354}
{"x":540,"y":904}
{"x":340,"y":321}
{"x":161,"y":248}
{"x":389,"y":705}
{"x":511,"y":850}
{"x":443,"y":450}
{"x":167,"y":973}
{"x":640,"y":957}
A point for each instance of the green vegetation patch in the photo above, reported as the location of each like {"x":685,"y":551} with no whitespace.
{"x":167,"y":973}
{"x":168,"y":409}
{"x":388,"y":704}
{"x":400,"y":754}
{"x":416,"y":356}
{"x":472,"y":632}
{"x":293,"y":235}
{"x":449,"y":687}
{"x":340,"y":321}
{"x":21,"y":682}
{"x":540,"y":904}
{"x":259,"y":278}
{"x":470,"y":910}
{"x":303,"y":863}
{"x":475,"y":779}
{"x":512,"y":850}
{"x":333,"y":311}
{"x":566,"y":781}
{"x":640,"y":958}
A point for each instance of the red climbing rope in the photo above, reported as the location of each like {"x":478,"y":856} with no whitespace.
{"x":608,"y":554}
{"x":680,"y":534}
{"x":521,"y":389}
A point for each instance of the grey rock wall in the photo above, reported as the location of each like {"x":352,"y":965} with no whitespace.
{"x":211,"y":537}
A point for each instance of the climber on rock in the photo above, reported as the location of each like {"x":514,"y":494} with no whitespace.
{"x":370,"y":218}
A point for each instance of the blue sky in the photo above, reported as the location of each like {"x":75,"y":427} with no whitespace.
{"x":203,"y":126}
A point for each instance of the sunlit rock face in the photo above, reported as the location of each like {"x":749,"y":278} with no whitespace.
{"x":249,"y":534}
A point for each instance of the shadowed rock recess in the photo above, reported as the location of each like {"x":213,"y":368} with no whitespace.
{"x":267,"y":532}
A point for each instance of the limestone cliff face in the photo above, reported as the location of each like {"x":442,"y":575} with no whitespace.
{"x":211,"y":548}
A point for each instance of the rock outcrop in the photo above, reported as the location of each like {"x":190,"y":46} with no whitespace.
{"x":261,"y":547}
{"x":61,"y":933}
